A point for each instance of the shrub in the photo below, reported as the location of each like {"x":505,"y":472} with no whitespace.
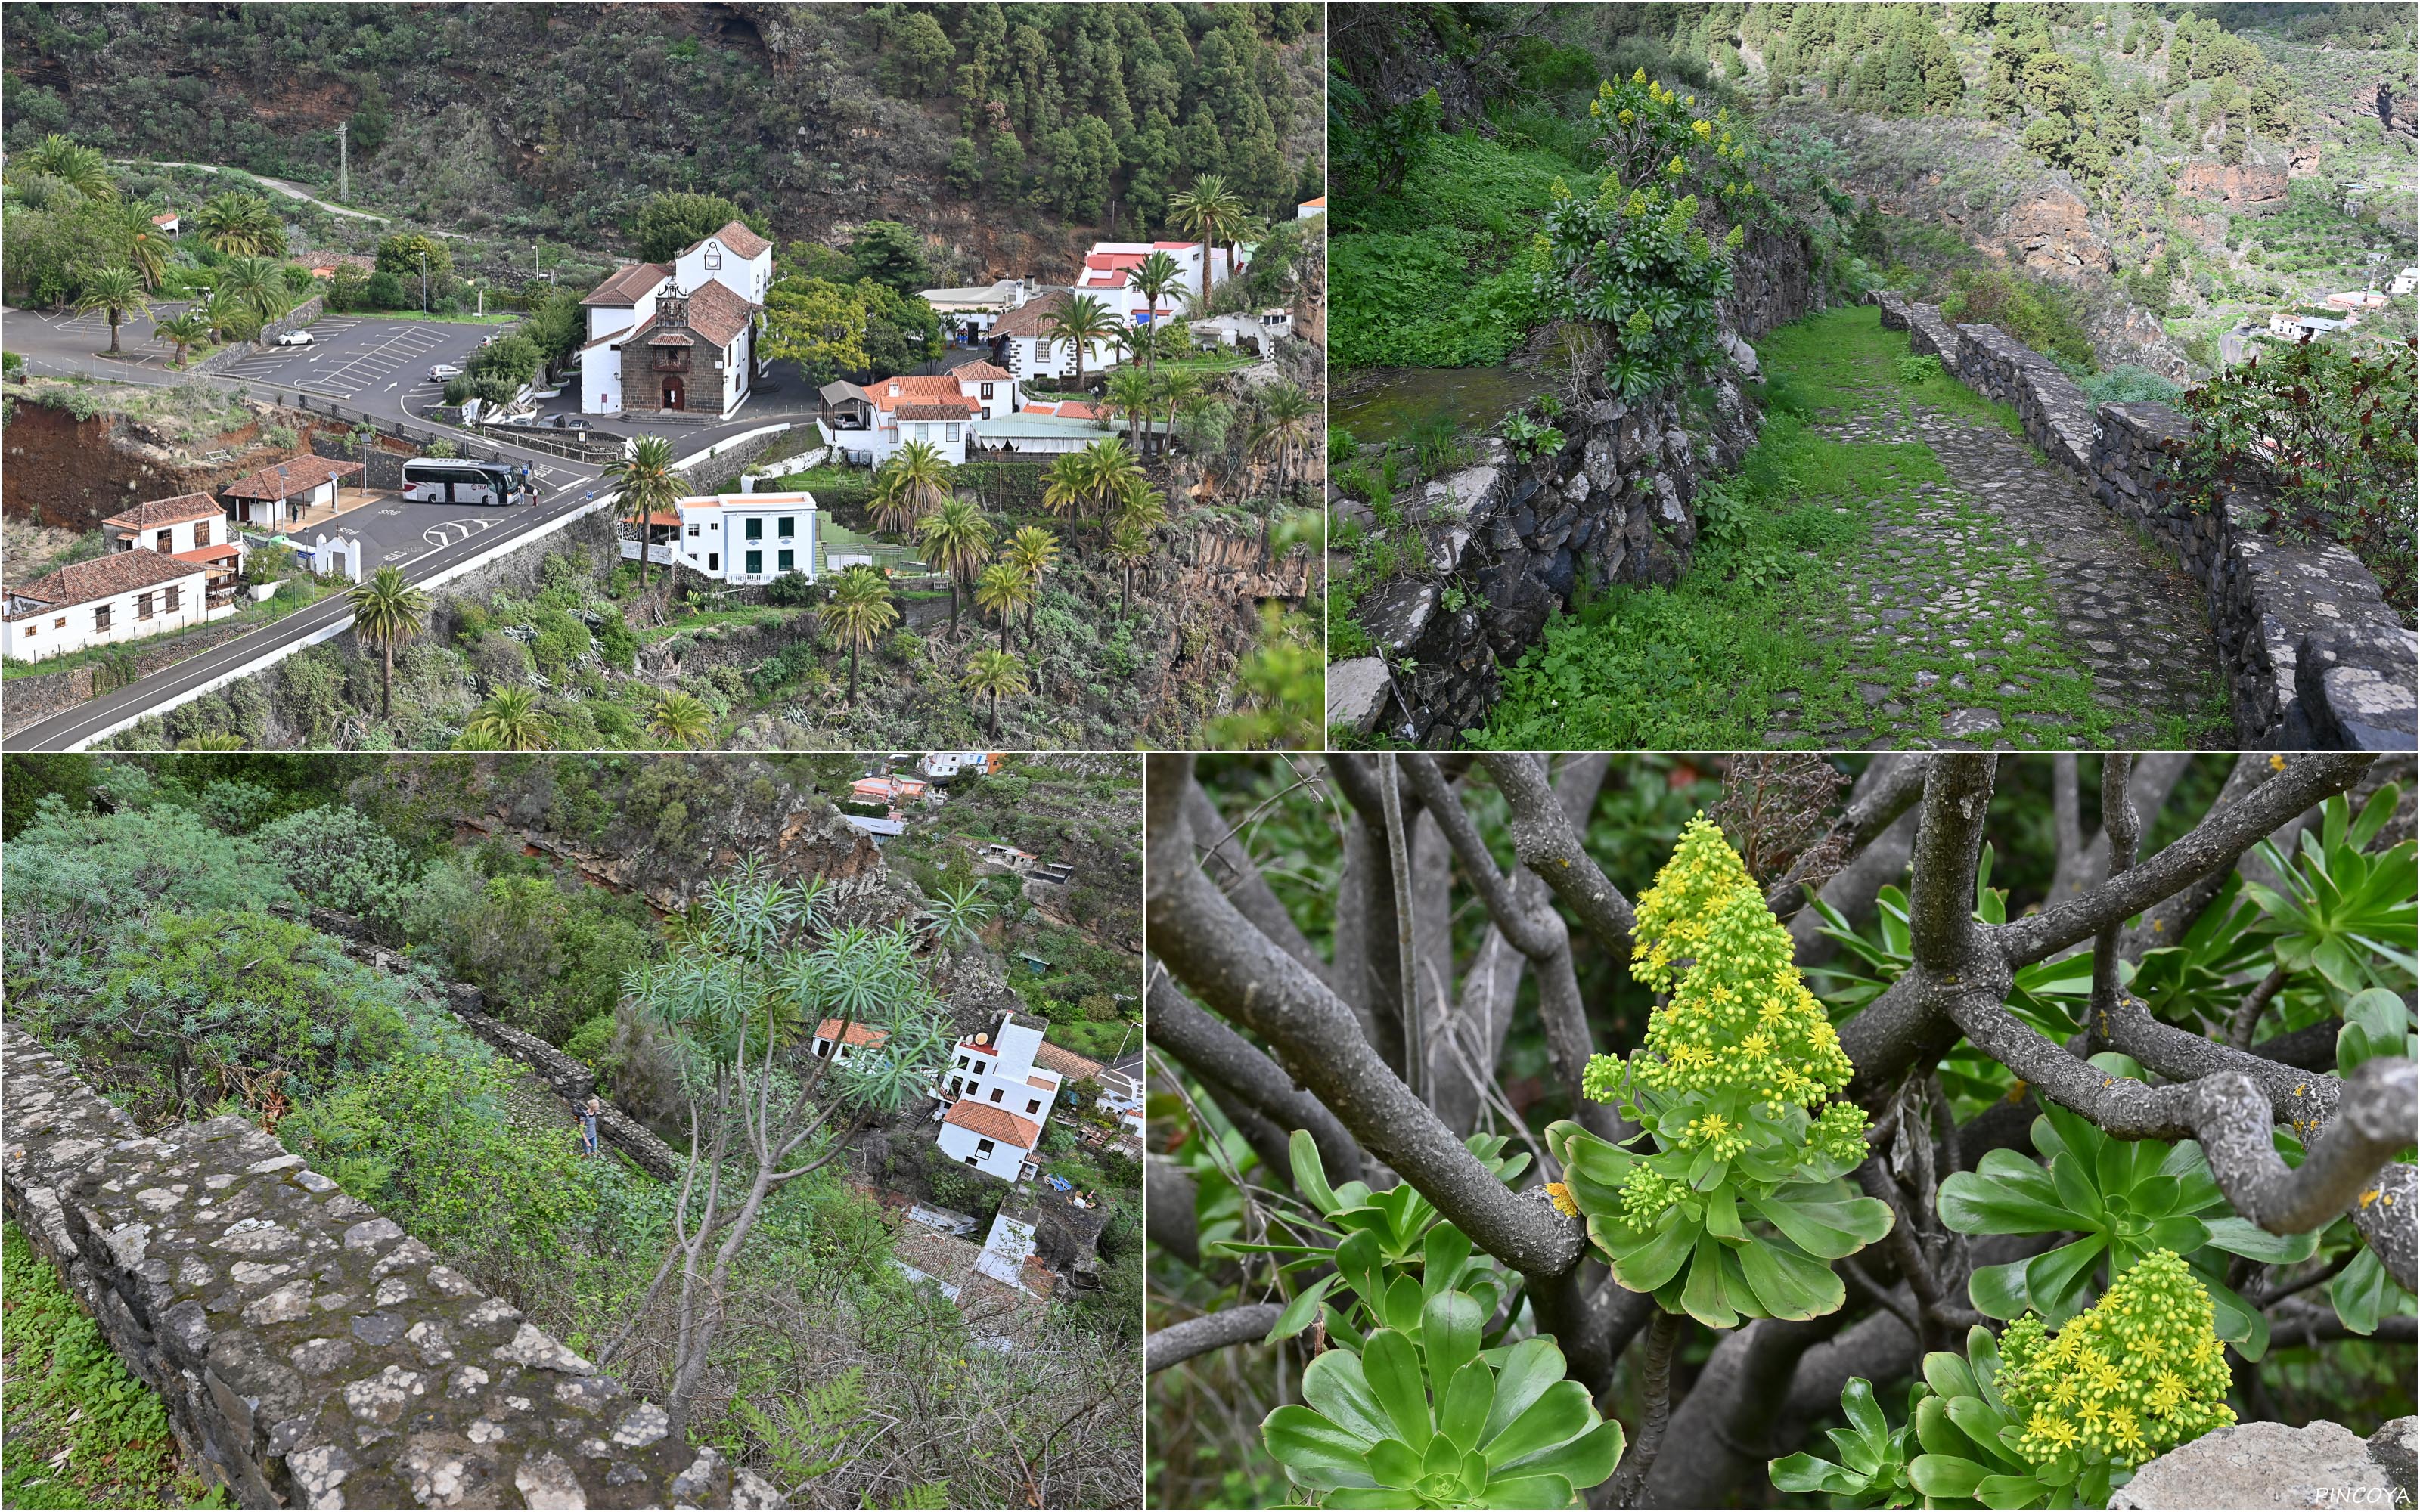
{"x":2041,"y":315}
{"x":338,"y":858}
{"x":2130,"y":384}
{"x":791,"y":590}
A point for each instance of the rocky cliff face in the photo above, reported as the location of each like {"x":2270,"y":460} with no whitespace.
{"x":2051,"y":232}
{"x":73,"y":473}
{"x":2240,"y":189}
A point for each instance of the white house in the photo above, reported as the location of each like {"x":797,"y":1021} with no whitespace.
{"x":2295,"y":327}
{"x":1027,"y":349}
{"x":2405,"y":282}
{"x":124,"y":596}
{"x":622,"y":311}
{"x":857,"y":1038}
{"x":998,"y":1099}
{"x":733,"y":537}
{"x":1311,"y":209}
{"x":968,"y":314}
{"x":942,"y":766}
{"x":190,"y":527}
{"x":1107,"y":265}
{"x":172,"y":223}
{"x":277,"y":497}
{"x":1257,"y":333}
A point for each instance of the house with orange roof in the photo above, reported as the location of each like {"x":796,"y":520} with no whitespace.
{"x":678,"y":337}
{"x":124,"y":596}
{"x":190,"y":526}
{"x":281,"y":494}
{"x":1108,"y":266}
{"x":1311,"y":209}
{"x":1028,"y":347}
{"x":996,"y":1099}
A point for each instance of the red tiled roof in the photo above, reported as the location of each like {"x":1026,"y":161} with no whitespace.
{"x":120,"y":572}
{"x":982,"y":373}
{"x":1321,"y":202}
{"x":164,"y":220}
{"x":1044,"y":1084}
{"x":859,"y":1034}
{"x":627,"y":283}
{"x":1032,"y":317}
{"x":175,"y":511}
{"x":211,"y":553}
{"x":961,"y":410}
{"x":287,"y":478}
{"x":993,"y":1123}
{"x":670,"y":338}
{"x":714,"y":312}
{"x":1065,"y":1062}
{"x":739,"y":238}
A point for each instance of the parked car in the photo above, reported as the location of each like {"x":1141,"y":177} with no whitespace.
{"x":443,"y":371}
{"x":570,"y":422}
{"x":294,"y":338}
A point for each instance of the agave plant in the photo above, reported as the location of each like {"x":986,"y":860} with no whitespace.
{"x":1422,"y":1419}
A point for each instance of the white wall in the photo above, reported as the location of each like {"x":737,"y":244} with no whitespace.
{"x":1006,"y":1162}
{"x":40,"y":636}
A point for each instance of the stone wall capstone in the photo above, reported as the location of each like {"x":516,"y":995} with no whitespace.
{"x":2315,"y":657}
{"x":306,"y":1347}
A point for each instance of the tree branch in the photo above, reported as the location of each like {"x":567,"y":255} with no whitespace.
{"x":1232,"y":867}
{"x":2214,"y":843}
{"x":1548,"y":842}
{"x":1179,"y":1342}
{"x":1234,"y":968}
{"x":1629,"y":1480}
{"x":1217,"y":1053}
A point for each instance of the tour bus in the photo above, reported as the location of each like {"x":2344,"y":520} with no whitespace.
{"x":442,"y":480}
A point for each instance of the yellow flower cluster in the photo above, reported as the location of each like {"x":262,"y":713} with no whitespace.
{"x":1739,"y":1016}
{"x":2140,"y":1373}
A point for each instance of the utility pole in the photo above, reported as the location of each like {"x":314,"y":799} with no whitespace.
{"x":344,"y":165}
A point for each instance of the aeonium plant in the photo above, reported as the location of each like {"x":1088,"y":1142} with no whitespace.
{"x":1424,"y":1417}
{"x":1737,"y":1206}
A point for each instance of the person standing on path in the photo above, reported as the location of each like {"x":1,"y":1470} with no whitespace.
{"x":588,"y":1145}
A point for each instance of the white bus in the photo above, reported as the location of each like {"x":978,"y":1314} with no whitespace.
{"x":445,"y":480}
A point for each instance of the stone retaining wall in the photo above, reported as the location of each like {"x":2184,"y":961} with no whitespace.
{"x":306,"y":1348}
{"x":571,"y":1080}
{"x":1509,"y":541}
{"x":2313,"y":655}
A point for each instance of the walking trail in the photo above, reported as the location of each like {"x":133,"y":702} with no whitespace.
{"x":2004,"y":606}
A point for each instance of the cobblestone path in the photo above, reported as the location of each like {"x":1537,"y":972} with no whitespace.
{"x":2004,"y":606}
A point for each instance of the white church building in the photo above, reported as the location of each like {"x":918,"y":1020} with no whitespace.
{"x":697,"y":345}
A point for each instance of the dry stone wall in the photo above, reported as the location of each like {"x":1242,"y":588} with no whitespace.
{"x":2313,"y":655}
{"x":306,"y":1347}
{"x":1509,"y":540}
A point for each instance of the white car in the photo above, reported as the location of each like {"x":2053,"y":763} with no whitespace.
{"x":443,"y":371}
{"x":294,"y":338}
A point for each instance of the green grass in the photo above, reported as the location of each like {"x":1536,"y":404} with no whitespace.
{"x":1439,"y":274}
{"x":67,"y":1392}
{"x":1830,"y":359}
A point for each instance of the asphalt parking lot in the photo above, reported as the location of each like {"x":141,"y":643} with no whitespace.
{"x":68,"y":334}
{"x":363,"y":360}
{"x":392,"y":533}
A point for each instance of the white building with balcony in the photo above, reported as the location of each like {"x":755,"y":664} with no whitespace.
{"x":740,"y":538}
{"x":999,"y":1100}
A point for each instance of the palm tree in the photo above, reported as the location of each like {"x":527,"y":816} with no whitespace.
{"x":387,"y":612}
{"x":1131,"y":395}
{"x":960,"y":539}
{"x":1003,"y":590}
{"x":1109,"y":466}
{"x":1212,"y":213}
{"x":681,"y":719}
{"x":1068,"y":487}
{"x":144,"y":245}
{"x":1083,"y":320}
{"x":1141,"y":504}
{"x":1176,"y":391}
{"x":231,"y":317}
{"x":1032,"y":551}
{"x":257,"y":283}
{"x":915,"y":481}
{"x":117,"y":293}
{"x":994,"y":672}
{"x":509,"y":720}
{"x":1129,"y":548}
{"x":236,"y":222}
{"x":1154,"y":278}
{"x":183,"y":331}
{"x":859,"y":611}
{"x":82,"y":169}
{"x":1287,"y":416}
{"x":647,"y":486}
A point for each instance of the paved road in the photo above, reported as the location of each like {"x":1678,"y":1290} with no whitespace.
{"x":62,"y":732}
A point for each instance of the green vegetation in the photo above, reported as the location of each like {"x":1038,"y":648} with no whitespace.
{"x":1753,"y":629}
{"x":67,"y":1387}
{"x":152,"y":940}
